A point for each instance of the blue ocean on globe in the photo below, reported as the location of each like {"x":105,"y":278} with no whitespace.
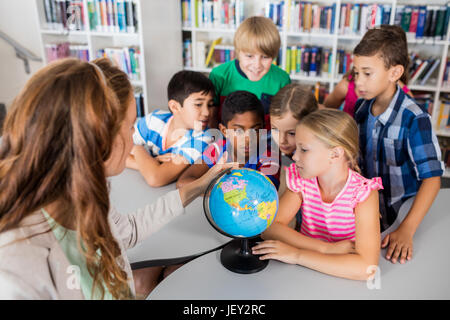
{"x":243,"y":203}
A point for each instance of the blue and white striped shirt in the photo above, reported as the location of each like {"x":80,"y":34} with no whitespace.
{"x":405,"y":150}
{"x":152,"y":132}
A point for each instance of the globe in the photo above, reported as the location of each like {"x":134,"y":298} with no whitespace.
{"x":241,"y":204}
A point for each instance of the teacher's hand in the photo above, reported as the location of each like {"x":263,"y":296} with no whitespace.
{"x":197,"y":187}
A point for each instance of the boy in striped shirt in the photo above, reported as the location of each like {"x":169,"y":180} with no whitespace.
{"x":167,"y":142}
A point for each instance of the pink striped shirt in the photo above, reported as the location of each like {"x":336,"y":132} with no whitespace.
{"x":333,"y":221}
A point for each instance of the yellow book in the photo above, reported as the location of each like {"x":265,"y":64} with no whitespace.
{"x":441,"y":112}
{"x":293,"y":59}
{"x":211,"y":51}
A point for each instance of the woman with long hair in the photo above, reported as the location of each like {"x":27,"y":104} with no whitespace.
{"x":66,"y":132}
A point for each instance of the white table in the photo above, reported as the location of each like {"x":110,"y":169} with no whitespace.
{"x":426,"y":276}
{"x":182,"y":239}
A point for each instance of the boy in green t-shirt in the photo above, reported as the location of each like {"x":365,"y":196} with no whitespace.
{"x":257,"y":43}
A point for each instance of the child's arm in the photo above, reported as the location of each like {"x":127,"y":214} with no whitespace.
{"x":357,"y":266}
{"x":155,"y":173}
{"x":191,"y":174}
{"x":289,"y":205}
{"x":337,"y":96}
{"x":401,"y":240}
{"x":425,"y":154}
{"x":130,"y":162}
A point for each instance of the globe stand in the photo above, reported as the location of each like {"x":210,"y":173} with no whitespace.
{"x":237,"y":257}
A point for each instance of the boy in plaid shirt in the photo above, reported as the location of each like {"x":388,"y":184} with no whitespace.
{"x":397,"y":141}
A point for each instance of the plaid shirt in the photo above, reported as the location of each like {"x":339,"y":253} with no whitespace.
{"x":405,"y":151}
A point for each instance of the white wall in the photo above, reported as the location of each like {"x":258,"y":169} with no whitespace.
{"x":18,"y":19}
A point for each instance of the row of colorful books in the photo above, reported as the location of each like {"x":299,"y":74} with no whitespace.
{"x":62,"y":14}
{"x":358,"y":18}
{"x":275,"y":10}
{"x":423,"y":21}
{"x":223,"y":53}
{"x":308,"y":17}
{"x":126,"y":58}
{"x":212,"y":13}
{"x":112,"y":15}
{"x":139,"y":97}
{"x":425,"y":100}
{"x":422,"y":68}
{"x":55,"y":51}
{"x":309,"y":61}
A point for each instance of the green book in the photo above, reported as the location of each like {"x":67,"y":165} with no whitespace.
{"x":293,"y":58}
{"x":92,"y":14}
{"x":196,"y":12}
{"x":288,"y":60}
{"x":298,"y":66}
{"x":439,"y":33}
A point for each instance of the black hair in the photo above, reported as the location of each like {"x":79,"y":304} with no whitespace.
{"x":184,"y":83}
{"x":239,"y":102}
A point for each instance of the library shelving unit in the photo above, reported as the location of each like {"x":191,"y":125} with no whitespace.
{"x":156,"y":45}
{"x":333,"y":40}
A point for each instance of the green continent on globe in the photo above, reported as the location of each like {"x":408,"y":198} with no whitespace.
{"x":235,"y":196}
{"x":267,"y":210}
{"x":234,"y":191}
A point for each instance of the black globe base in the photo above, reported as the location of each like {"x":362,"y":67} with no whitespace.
{"x":237,"y":257}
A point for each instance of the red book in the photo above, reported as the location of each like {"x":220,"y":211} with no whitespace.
{"x":300,"y":16}
{"x":373,"y":15}
{"x":227,"y":17}
{"x":414,"y":20}
{"x":347,"y":16}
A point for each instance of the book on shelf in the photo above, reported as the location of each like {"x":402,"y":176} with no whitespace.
{"x":419,"y":21}
{"x":223,"y":53}
{"x":212,"y":13}
{"x":211,"y":50}
{"x":55,"y":51}
{"x":187,"y":53}
{"x":126,"y":58}
{"x":344,"y":60}
{"x":274,"y":10}
{"x":443,"y":121}
{"x":423,"y":78}
{"x":421,"y":69}
{"x":310,"y":61}
{"x":357,"y":18}
{"x":112,"y":16}
{"x":310,"y":17}
{"x":424,"y":100}
{"x":64,"y":15}
{"x":445,"y":78}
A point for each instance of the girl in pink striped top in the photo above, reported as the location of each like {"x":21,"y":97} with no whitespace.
{"x":340,"y":231}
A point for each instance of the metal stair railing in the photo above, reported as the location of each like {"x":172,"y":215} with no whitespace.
{"x":21,"y":52}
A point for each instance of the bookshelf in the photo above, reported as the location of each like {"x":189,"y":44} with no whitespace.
{"x":338,"y":36}
{"x":151,"y":56}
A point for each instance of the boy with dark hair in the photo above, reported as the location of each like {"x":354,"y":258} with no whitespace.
{"x":240,"y":135}
{"x":175,"y":138}
{"x":397,"y":141}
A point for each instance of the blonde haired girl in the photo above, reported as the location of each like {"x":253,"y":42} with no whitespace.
{"x":340,"y":231}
